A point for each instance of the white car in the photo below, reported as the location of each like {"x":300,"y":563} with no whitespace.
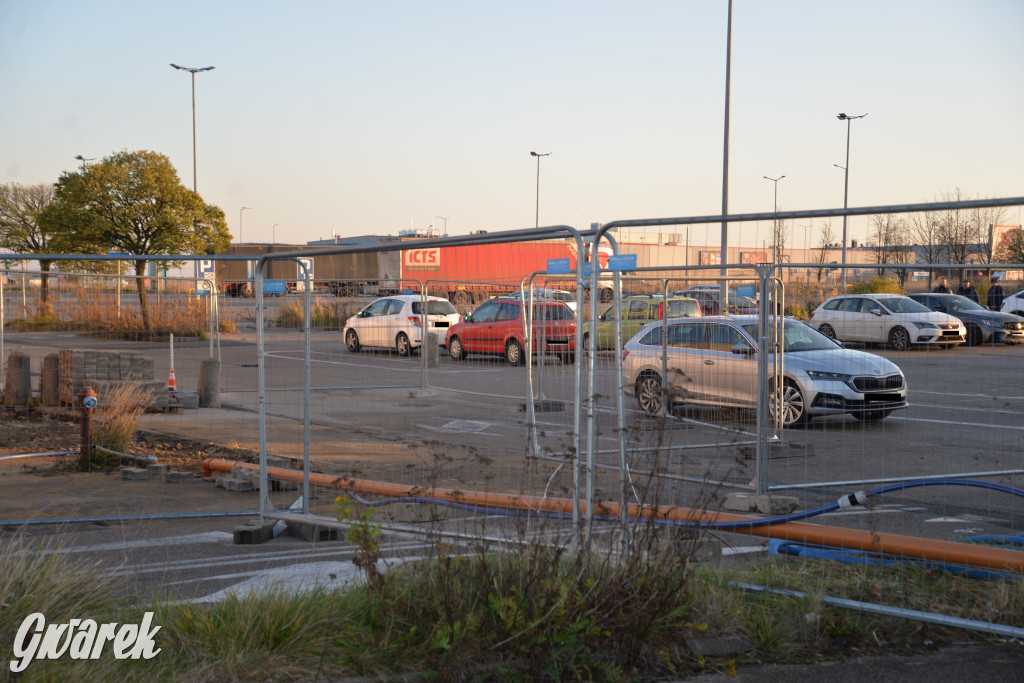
{"x":1014,"y":304}
{"x":396,"y":322}
{"x":891,"y":319}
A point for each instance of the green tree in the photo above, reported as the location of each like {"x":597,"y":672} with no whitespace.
{"x":134,"y":202}
{"x":21,"y":230}
{"x":1011,"y":246}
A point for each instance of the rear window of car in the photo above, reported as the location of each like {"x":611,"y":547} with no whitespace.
{"x":433,"y":308}
{"x":552,"y":312}
{"x":681,"y":309}
{"x":831,"y":305}
{"x":904,"y":304}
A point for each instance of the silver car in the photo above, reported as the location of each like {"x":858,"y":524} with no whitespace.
{"x":713,"y":361}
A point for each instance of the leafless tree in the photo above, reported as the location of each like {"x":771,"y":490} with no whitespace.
{"x":923,"y":229}
{"x":826,"y":242}
{"x":891,"y":237}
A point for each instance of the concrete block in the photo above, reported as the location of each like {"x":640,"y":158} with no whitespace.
{"x":283,"y":485}
{"x":740,"y":502}
{"x":312,"y":532}
{"x":18,"y":387}
{"x":189,"y":401}
{"x":776,"y":505}
{"x":135,"y":474}
{"x":175,"y":477}
{"x":158,"y":470}
{"x":232,"y":484}
{"x":431,"y":348}
{"x":253,"y":532}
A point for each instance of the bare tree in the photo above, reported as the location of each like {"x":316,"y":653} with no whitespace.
{"x":780,"y":229}
{"x":987,"y":218}
{"x":826,"y":242}
{"x":923,"y":230}
{"x":891,"y":236}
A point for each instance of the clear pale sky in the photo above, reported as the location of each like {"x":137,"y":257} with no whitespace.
{"x":354,"y":118}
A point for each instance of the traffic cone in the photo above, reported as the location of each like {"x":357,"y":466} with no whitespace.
{"x":172,"y":386}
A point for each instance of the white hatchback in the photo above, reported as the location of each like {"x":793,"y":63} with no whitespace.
{"x":891,"y":319}
{"x":397,"y":322}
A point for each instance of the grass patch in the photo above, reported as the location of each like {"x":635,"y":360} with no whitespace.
{"x":323,"y":315}
{"x":119,"y":416}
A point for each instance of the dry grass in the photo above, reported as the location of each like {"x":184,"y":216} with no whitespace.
{"x":120,"y":412}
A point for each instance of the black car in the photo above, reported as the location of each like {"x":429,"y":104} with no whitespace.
{"x":983,"y":326}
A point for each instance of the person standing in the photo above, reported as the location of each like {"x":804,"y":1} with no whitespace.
{"x":942,"y":287}
{"x":995,"y":294}
{"x":966,"y":290}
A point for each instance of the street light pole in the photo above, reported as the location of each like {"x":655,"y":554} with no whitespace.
{"x":537,"y":216}
{"x":775,"y":232}
{"x":273,"y":234}
{"x":244,"y":208}
{"x":194,"y":71}
{"x":83,"y":160}
{"x":445,"y":219}
{"x":846,"y":186}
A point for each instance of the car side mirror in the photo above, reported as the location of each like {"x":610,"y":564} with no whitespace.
{"x":876,"y":312}
{"x":364,"y":314}
{"x":603,"y":316}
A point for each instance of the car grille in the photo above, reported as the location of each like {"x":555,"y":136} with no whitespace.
{"x":949,"y":326}
{"x":878,"y":383}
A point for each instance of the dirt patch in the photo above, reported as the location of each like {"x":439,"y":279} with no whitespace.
{"x":58,"y":430}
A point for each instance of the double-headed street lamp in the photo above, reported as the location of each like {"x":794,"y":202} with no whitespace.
{"x":445,"y":219}
{"x":83,"y":160}
{"x":537,"y":216}
{"x":194,"y":71}
{"x":846,"y":185}
{"x":244,"y":208}
{"x":775,"y":232}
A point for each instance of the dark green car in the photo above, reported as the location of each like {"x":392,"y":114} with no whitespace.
{"x":637,"y":312}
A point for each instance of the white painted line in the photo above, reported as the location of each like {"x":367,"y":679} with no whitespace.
{"x":988,"y":396}
{"x":962,"y":409}
{"x":963,"y":424}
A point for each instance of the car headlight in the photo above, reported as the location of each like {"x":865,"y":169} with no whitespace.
{"x":926,"y":326}
{"x":823,"y":376}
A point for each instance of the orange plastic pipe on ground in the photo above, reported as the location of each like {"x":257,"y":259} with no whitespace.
{"x":836,"y":537}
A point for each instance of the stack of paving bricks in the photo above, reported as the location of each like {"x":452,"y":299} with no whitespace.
{"x":104,"y":371}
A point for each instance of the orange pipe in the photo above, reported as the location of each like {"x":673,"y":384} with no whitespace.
{"x":851,"y":539}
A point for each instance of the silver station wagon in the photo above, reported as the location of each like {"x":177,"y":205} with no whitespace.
{"x":713,"y":361}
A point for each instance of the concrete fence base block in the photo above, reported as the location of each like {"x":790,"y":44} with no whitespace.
{"x":253,"y":532}
{"x":233,"y":484}
{"x":49,"y":380}
{"x":175,"y":477}
{"x":776,"y":505}
{"x":158,"y":470}
{"x":135,"y":473}
{"x":312,"y":532}
{"x":740,"y":502}
{"x":208,"y":390}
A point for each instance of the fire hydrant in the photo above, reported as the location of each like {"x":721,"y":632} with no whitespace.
{"x":87,"y":400}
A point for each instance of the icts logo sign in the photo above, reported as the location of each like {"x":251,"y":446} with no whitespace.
{"x":421,"y":259}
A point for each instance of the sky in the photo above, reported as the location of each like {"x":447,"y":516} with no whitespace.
{"x":354,"y":118}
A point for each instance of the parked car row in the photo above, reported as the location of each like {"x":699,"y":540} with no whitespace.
{"x":942,"y":320}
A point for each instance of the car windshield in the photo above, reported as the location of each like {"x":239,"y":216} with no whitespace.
{"x":681,"y":309}
{"x":904,"y":304}
{"x":433,"y":308}
{"x":962,"y":303}
{"x":552,"y":312}
{"x":799,"y":337}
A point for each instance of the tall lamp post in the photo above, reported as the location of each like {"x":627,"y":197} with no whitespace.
{"x":445,"y":219}
{"x":244,"y":208}
{"x":775,"y":232}
{"x":846,"y":185}
{"x":537,"y":216}
{"x":273,"y":234}
{"x":194,"y":71}
{"x":83,"y":160}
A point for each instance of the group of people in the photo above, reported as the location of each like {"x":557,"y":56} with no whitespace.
{"x":995,"y":292}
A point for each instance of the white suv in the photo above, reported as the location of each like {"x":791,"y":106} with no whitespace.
{"x":1014,"y":304}
{"x":396,"y":322}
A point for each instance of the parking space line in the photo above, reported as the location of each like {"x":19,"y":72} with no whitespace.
{"x":962,"y":424}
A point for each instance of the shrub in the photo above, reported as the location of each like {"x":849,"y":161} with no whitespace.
{"x":876,"y":285}
{"x":120,"y":413}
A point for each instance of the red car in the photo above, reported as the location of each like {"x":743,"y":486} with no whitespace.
{"x":496,"y":327}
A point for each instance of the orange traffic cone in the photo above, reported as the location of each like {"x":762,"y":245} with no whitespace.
{"x":172,"y":386}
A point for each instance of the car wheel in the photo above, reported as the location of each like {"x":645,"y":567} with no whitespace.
{"x":793,"y":408}
{"x":649,"y":395}
{"x":899,"y":339}
{"x":513,"y":352}
{"x":479,"y":296}
{"x":461,"y":298}
{"x":827,"y":330}
{"x":607,"y":295}
{"x":974,"y":335}
{"x":402,"y":344}
{"x":455,"y":349}
{"x":352,"y":341}
{"x":872,"y":415}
